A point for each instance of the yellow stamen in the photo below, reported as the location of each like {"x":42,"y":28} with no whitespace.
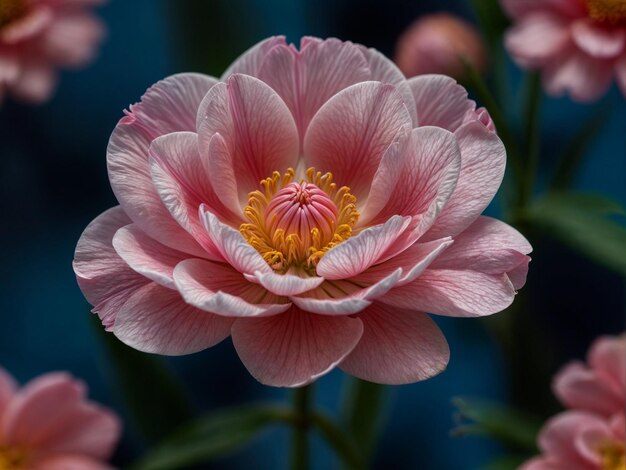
{"x":12,"y":459}
{"x":284,"y":241}
{"x":612,"y":455}
{"x":607,"y":11}
{"x":11,"y":10}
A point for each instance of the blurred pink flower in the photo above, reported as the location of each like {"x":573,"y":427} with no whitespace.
{"x":39,"y":36}
{"x":439,"y":43}
{"x":591,"y":436}
{"x":312,"y":204}
{"x":50,"y":425}
{"x":579,"y":45}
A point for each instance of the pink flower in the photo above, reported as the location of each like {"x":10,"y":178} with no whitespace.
{"x":591,"y":436}
{"x":579,"y":45}
{"x":311,"y":204}
{"x":439,"y":43}
{"x":39,"y":36}
{"x":50,"y":425}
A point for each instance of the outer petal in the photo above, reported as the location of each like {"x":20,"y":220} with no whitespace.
{"x":397,"y":347}
{"x":104,"y":278}
{"x":295,"y":348}
{"x":285,"y":284}
{"x":181,"y":177}
{"x":353,"y":130}
{"x":607,"y":356}
{"x":581,"y":76}
{"x":250,"y":62}
{"x":598,"y":41}
{"x":440,"y":101}
{"x":305,"y":80}
{"x":50,"y":413}
{"x":217,"y":288}
{"x":35,"y":83}
{"x":483,"y":158}
{"x":541,"y":463}
{"x":538,"y":38}
{"x":256,"y":125}
{"x":620,"y":73}
{"x":70,"y":462}
{"x":168,"y":106}
{"x":147,"y":256}
{"x":157,"y":320}
{"x":520,"y":8}
{"x":428,"y":168}
{"x":8,"y":387}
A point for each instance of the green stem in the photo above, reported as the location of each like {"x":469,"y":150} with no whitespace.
{"x":532,"y":134}
{"x":301,"y":403}
{"x":340,"y":441}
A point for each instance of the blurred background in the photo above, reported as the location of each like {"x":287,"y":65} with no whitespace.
{"x":54,"y":182}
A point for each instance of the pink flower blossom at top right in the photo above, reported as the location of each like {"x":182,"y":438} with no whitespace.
{"x":578,"y":45}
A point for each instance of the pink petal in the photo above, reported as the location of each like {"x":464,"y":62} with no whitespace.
{"x":147,"y":256}
{"x":70,"y":462}
{"x":286,"y":284}
{"x":541,"y":463}
{"x":222,"y":175}
{"x":360,"y":252}
{"x":489,"y":246}
{"x":219,"y":289}
{"x":520,"y":8}
{"x":440,"y":101}
{"x":35,"y":83}
{"x":558,"y":437}
{"x":598,"y":41}
{"x":250,"y":62}
{"x":607,"y":356}
{"x":454,"y":293}
{"x":168,"y":106}
{"x":584,"y":78}
{"x":590,"y":439}
{"x":620,"y":73}
{"x":8,"y":387}
{"x":537,"y":39}
{"x":28,"y":27}
{"x":483,"y":158}
{"x":50,"y":414}
{"x":72,"y":38}
{"x":232,"y":246}
{"x":294,"y":348}
{"x":256,"y":125}
{"x":181,"y":178}
{"x":429,"y":165}
{"x":104,"y":278}
{"x":157,"y":320}
{"x":579,"y":387}
{"x":353,"y":130}
{"x":305,"y":80}
{"x":384,"y":70}
{"x":397,"y":347}
{"x":346,"y":297}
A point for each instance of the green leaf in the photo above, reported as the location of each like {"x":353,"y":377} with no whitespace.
{"x":581,"y":222}
{"x":507,"y":462}
{"x":212,"y":436}
{"x":152,"y":394}
{"x":362,"y":413}
{"x":491,"y":18}
{"x":340,"y":441}
{"x":497,"y":421}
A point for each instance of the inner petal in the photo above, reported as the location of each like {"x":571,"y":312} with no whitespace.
{"x":612,"y":456}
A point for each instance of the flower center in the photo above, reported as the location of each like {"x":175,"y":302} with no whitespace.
{"x":11,"y":10}
{"x":292,"y":224}
{"x":612,"y":455}
{"x":12,"y":459}
{"x":607,"y":11}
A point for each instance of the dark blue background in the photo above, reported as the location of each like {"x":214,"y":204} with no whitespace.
{"x":53,"y":182}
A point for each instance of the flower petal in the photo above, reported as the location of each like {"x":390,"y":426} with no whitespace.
{"x":219,"y":289}
{"x":305,"y":80}
{"x":358,"y":253}
{"x":250,"y":62}
{"x":620,"y":73}
{"x":397,"y":347}
{"x":520,"y":8}
{"x":440,"y":101}
{"x":36,"y":82}
{"x":294,"y":348}
{"x":608,"y":357}
{"x":104,"y":278}
{"x":353,"y":130}
{"x":598,"y":41}
{"x":483,"y":158}
{"x":70,"y":462}
{"x":8,"y":387}
{"x":285,"y":284}
{"x":256,"y":125}
{"x":168,"y":106}
{"x":157,"y":320}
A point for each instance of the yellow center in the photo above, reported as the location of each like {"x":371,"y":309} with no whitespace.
{"x":11,"y":10}
{"x":12,"y":459}
{"x":607,"y":11}
{"x":293,"y":223}
{"x":612,"y":455}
